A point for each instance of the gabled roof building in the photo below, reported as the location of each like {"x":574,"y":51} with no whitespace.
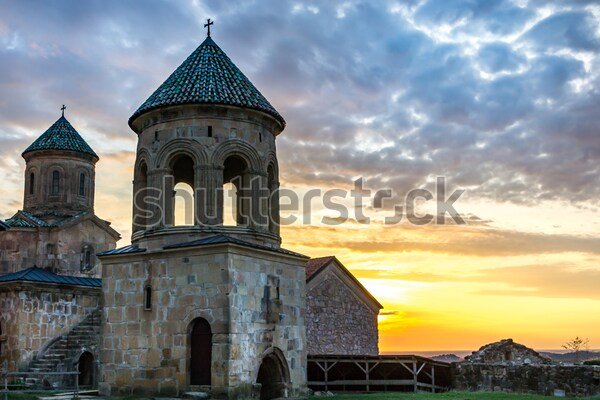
{"x":341,"y":314}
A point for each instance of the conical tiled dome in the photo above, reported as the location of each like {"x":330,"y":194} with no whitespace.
{"x":207,"y":76}
{"x":61,"y":136}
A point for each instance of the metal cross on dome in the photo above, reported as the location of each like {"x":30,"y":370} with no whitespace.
{"x":207,"y":25}
{"x":63,"y":108}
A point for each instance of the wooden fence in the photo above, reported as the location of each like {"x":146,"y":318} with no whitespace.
{"x":406,"y":373}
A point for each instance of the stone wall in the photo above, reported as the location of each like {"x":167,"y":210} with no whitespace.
{"x":147,"y":351}
{"x":32,"y":316}
{"x":541,"y":379}
{"x":59,"y":248}
{"x":337,"y":321}
{"x":507,"y":351}
{"x":9,"y":323}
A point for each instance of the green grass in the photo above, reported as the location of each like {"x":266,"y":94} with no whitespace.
{"x":27,"y":396}
{"x":438,"y":396}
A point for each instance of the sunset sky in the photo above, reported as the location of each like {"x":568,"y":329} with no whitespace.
{"x":500,"y":97}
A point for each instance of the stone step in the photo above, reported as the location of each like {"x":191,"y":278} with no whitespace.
{"x":197,"y":395}
{"x":53,"y":355}
{"x":57,"y":350}
{"x":44,"y":363}
{"x":83,"y":331}
{"x":35,"y":369}
{"x":68,"y":345}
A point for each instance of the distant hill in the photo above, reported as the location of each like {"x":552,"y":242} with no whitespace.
{"x":570,"y":357}
{"x":447,"y":358}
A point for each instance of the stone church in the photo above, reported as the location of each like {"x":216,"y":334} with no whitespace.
{"x":205,"y":307}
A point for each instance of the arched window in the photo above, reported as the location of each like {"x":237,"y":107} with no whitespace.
{"x":55,"y":182}
{"x":82,"y":184}
{"x":184,"y":204}
{"x":148,"y":298}
{"x":31,"y":183}
{"x":183,"y":184}
{"x":229,"y":204}
{"x":235,"y":186}
{"x":87,"y":258}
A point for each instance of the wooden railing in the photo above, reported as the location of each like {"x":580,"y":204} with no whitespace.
{"x":23,"y":387}
{"x":377,"y":373}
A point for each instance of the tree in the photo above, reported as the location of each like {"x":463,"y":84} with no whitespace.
{"x":576,"y":346}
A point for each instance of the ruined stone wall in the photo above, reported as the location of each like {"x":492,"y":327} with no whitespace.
{"x":59,"y":249}
{"x":34,"y":316}
{"x":541,"y":379}
{"x":337,"y":322}
{"x":147,"y":351}
{"x":507,"y":351}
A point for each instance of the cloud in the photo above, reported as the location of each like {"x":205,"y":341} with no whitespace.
{"x":395,"y":95}
{"x":499,"y":57}
{"x":575,"y":30}
{"x":476,"y":240}
{"x":555,"y":280}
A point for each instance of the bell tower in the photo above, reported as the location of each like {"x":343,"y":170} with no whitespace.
{"x":220,"y":303}
{"x":60,"y":171}
{"x":207,"y":125}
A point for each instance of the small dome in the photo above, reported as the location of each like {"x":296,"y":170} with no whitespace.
{"x":61,"y":136}
{"x":208,"y":76}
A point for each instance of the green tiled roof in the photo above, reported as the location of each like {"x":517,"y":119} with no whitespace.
{"x":24,"y":219}
{"x":207,"y":76}
{"x":61,"y":136}
{"x":38,"y":275}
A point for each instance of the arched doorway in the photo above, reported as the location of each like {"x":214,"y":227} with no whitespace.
{"x":273,"y":375}
{"x":85,"y":366}
{"x":200,"y":352}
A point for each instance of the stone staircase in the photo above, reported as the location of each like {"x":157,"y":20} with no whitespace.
{"x":63,"y":351}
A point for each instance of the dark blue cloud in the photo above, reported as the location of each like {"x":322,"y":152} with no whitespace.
{"x":499,"y":57}
{"x":366,"y":90}
{"x":577,"y":30}
{"x":494,"y":16}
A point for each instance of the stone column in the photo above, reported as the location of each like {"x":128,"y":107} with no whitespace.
{"x":260,"y":201}
{"x":160,"y":193}
{"x":274,"y":219}
{"x":215,"y":195}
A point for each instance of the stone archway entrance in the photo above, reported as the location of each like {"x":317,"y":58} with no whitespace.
{"x":85,"y":366}
{"x":200,"y":352}
{"x":273,"y":375}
